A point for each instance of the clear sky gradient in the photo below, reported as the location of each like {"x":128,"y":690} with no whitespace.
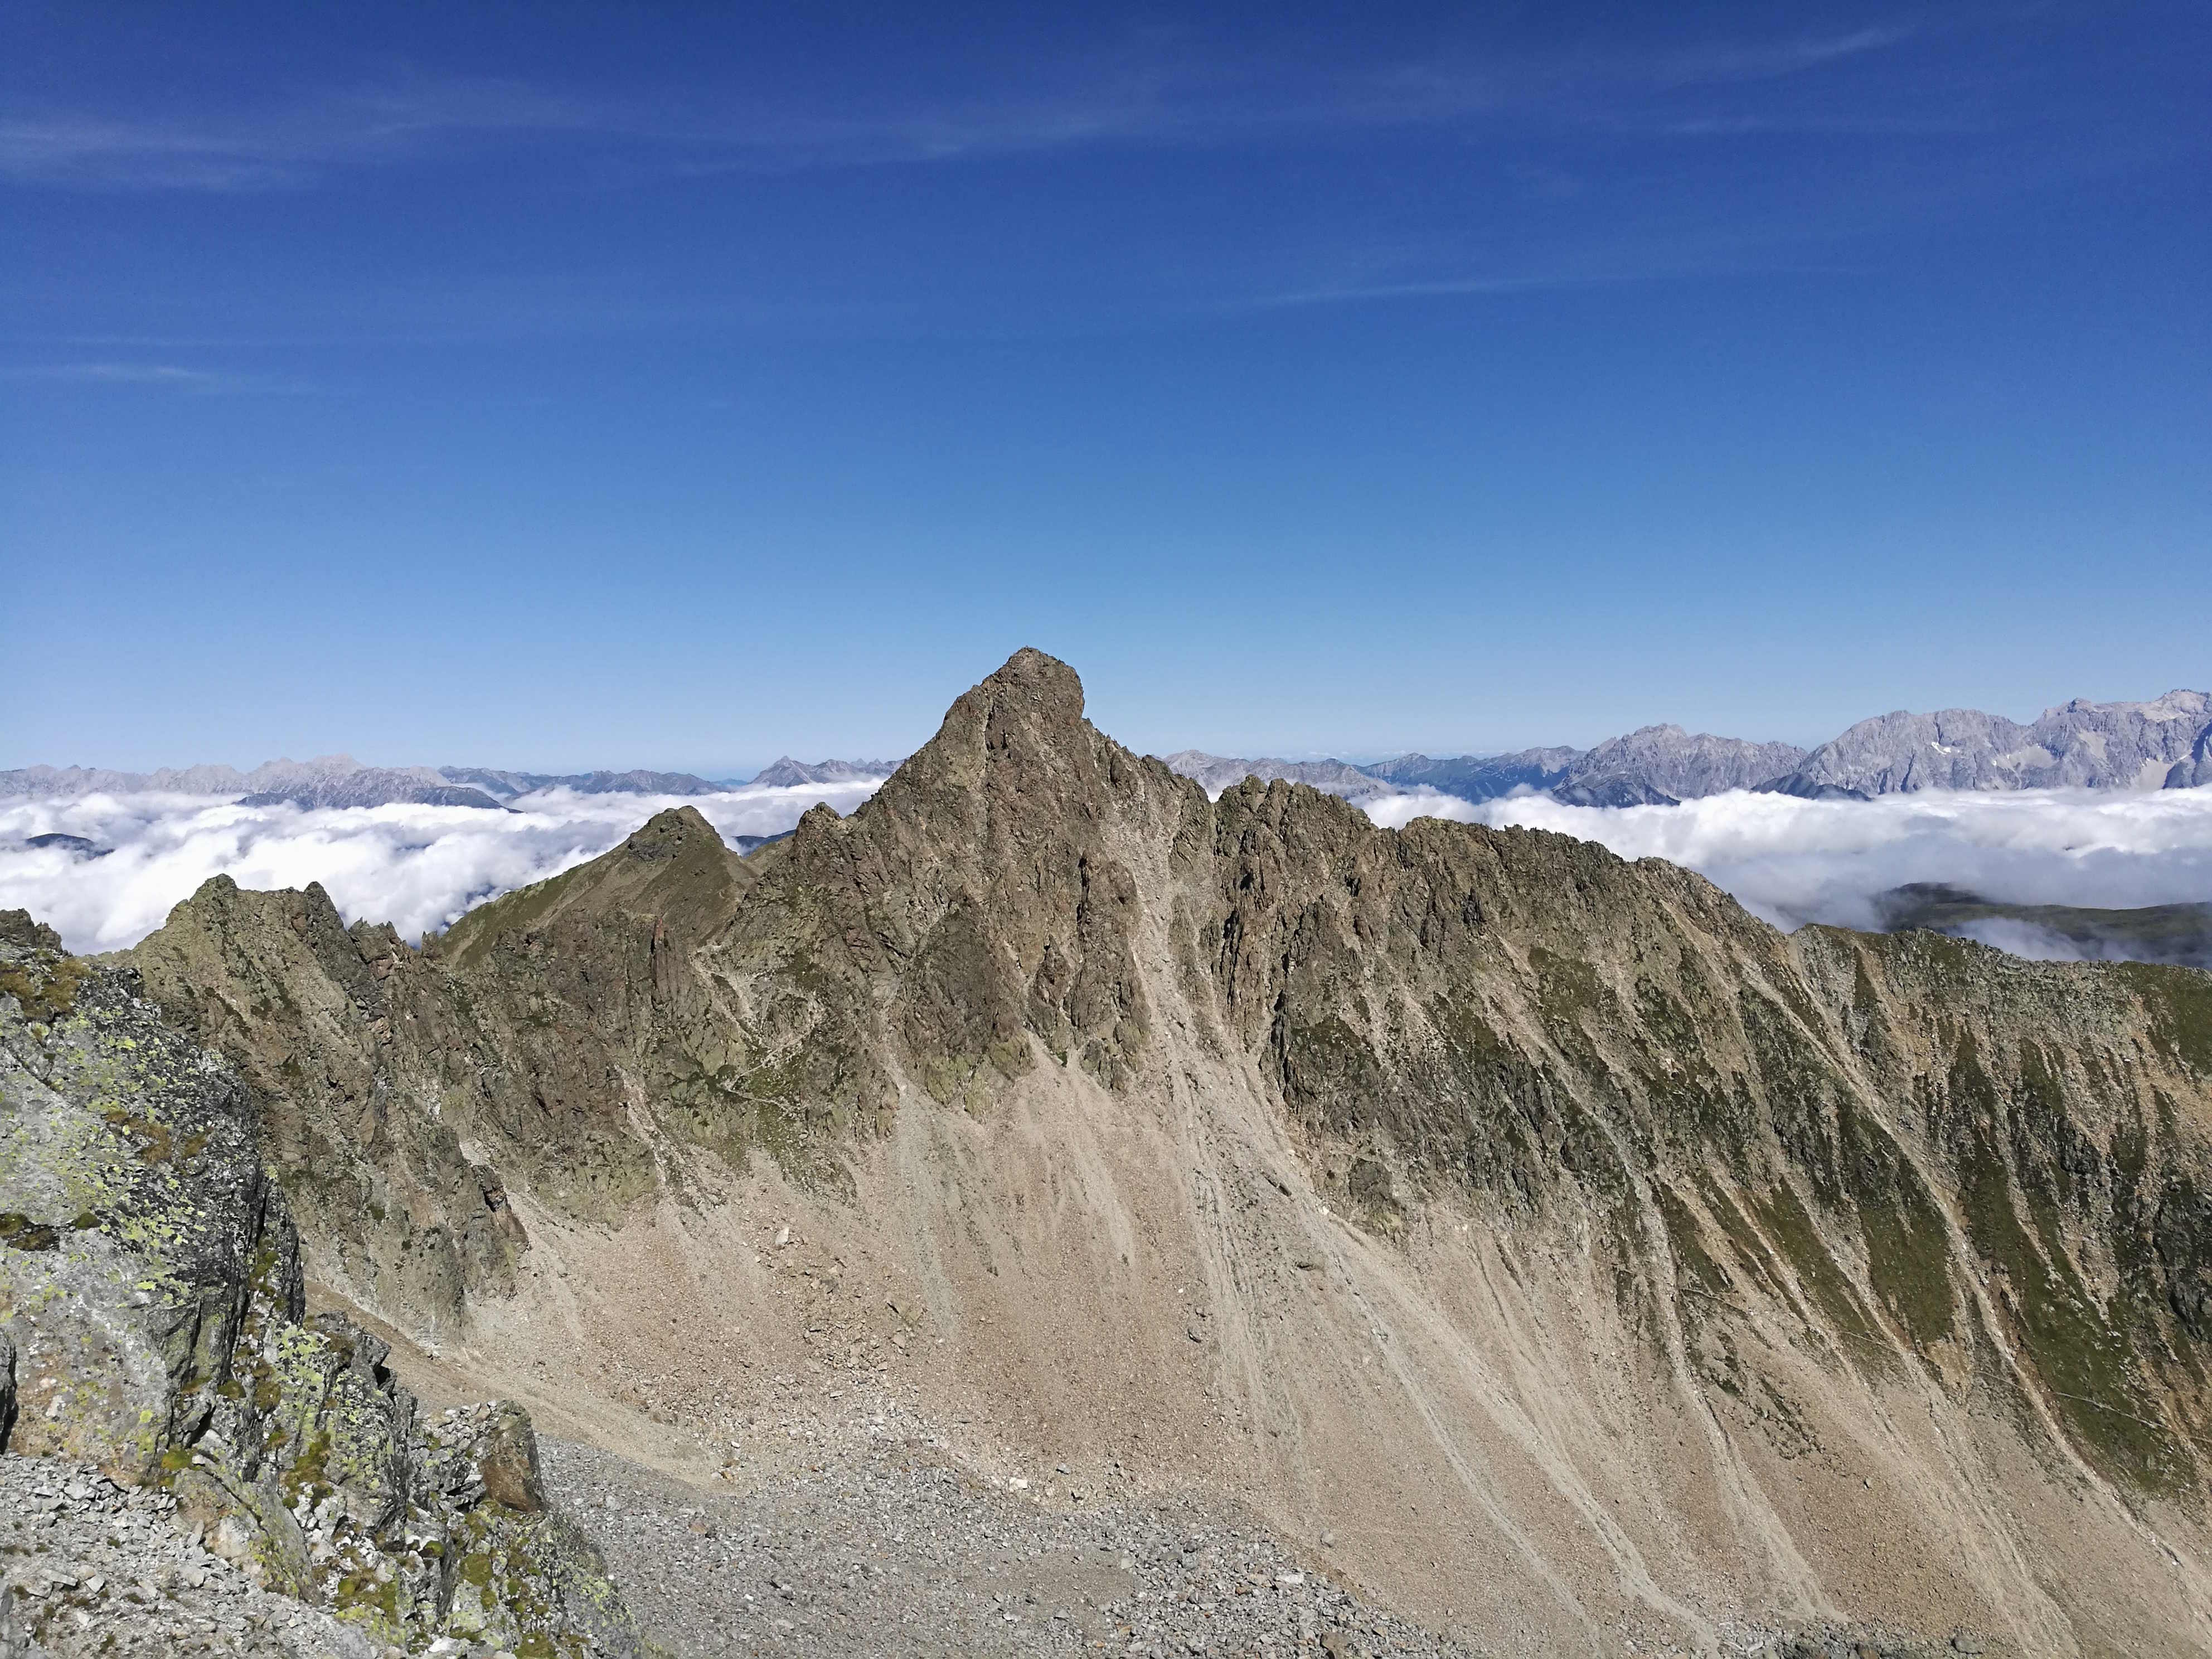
{"x":560,"y":385}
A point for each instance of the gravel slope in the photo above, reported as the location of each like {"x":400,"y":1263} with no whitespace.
{"x":892,"y":1554}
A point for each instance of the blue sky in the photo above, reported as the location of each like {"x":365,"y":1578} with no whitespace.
{"x":561,"y":386}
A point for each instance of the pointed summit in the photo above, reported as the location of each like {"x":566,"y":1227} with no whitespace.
{"x":1015,"y":767}
{"x":1048,"y":684}
{"x":667,"y":834}
{"x":673,"y":867}
{"x":1033,"y":695}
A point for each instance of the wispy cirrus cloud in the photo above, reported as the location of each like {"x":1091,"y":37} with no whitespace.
{"x":1658,"y":268}
{"x":1445,"y":288}
{"x":290,"y":143}
{"x":1771,"y":60}
{"x":1166,"y":99}
{"x":118,"y":375}
{"x":159,"y":376}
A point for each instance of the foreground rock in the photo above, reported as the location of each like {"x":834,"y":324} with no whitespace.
{"x":152,"y":1327}
{"x":90,"y":1567}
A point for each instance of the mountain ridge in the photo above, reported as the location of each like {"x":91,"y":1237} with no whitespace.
{"x":1668,"y":1263}
{"x":2163,"y":743}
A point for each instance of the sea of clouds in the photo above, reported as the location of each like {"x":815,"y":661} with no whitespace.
{"x":417,"y":868}
{"x":1794,"y":861}
{"x":1789,"y":860}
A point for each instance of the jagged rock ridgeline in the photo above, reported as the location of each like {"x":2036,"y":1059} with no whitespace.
{"x":2162,"y":743}
{"x":1653,"y":766}
{"x":2079,"y":744}
{"x":1477,"y":777}
{"x":1662,"y":765}
{"x":1657,"y":1259}
{"x":152,"y":1326}
{"x":332,"y":781}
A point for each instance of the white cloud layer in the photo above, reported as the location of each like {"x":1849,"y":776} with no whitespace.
{"x":417,"y":868}
{"x":1794,"y":861}
{"x":1789,"y":860}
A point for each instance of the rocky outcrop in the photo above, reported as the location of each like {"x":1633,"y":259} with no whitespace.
{"x":531,"y":1028}
{"x":151,"y":1303}
{"x":2196,"y":771}
{"x":7,"y":1386}
{"x":91,"y":1570}
{"x":352,"y":1079}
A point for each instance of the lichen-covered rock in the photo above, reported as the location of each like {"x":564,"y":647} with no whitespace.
{"x":133,"y":1212}
{"x":151,"y":1324}
{"x":485,"y":1452}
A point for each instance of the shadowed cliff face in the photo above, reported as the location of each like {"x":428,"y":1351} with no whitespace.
{"x":1898,"y":1168}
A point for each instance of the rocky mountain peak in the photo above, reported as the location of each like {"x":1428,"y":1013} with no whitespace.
{"x":667,"y":834}
{"x":1013,"y":753}
{"x":1013,"y":709}
{"x":1054,"y":687}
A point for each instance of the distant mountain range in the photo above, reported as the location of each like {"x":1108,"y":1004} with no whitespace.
{"x":788,"y":773}
{"x":337,"y":780}
{"x":2163,"y":743}
{"x":2166,"y":743}
{"x":1215,"y":773}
